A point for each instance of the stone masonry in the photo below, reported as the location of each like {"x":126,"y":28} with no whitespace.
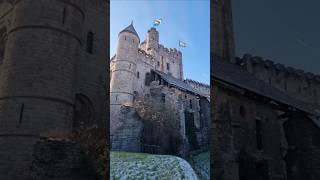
{"x":52,"y":73}
{"x":266,"y":115}
{"x":141,"y":69}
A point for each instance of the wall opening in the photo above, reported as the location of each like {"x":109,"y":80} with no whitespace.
{"x":83,"y":113}
{"x":90,"y":38}
{"x":3,"y":40}
{"x":259,"y":134}
{"x":64,"y":13}
{"x":190,"y":130}
{"x":21,"y":113}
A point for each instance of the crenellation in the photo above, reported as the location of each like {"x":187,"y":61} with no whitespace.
{"x":294,"y":81}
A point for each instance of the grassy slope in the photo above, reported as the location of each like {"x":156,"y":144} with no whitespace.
{"x":137,"y":166}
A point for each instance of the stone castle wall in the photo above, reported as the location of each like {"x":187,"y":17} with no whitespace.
{"x":297,"y":83}
{"x":173,"y":58}
{"x":235,"y":146}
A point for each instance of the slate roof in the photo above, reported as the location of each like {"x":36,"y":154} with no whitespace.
{"x":233,"y":74}
{"x":130,"y":29}
{"x":179,"y":83}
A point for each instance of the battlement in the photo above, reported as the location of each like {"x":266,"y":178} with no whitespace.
{"x":172,"y":52}
{"x":197,"y":83}
{"x":296,"y":82}
{"x":248,"y":59}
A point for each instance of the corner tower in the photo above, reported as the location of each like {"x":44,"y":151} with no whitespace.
{"x":123,"y":73}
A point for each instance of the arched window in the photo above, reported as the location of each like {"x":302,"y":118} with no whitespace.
{"x":83,"y":113}
{"x":90,"y":38}
{"x":3,"y":40}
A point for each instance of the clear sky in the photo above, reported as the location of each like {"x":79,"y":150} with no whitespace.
{"x":285,"y":31}
{"x":186,"y":20}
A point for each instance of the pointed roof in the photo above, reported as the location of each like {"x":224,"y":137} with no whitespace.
{"x":130,"y":29}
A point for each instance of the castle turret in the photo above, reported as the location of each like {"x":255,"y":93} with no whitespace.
{"x":152,"y":40}
{"x":123,"y":73}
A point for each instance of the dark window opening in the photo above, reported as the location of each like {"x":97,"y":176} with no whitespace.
{"x":90,"y":42}
{"x":168,"y":66}
{"x":138,"y":75}
{"x":242,"y":111}
{"x":158,"y":63}
{"x":3,"y":39}
{"x":132,"y":40}
{"x":148,"y":79}
{"x":259,"y":134}
{"x":125,"y":38}
{"x":163,"y":98}
{"x":21,"y":113}
{"x":64,"y":12}
{"x":190,"y":104}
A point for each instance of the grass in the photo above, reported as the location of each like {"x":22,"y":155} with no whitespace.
{"x":124,"y":165}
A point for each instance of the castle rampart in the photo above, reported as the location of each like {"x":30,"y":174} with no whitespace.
{"x":296,"y":82}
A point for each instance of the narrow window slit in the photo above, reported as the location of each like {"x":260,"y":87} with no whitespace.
{"x":21,"y":113}
{"x":90,"y":42}
{"x":64,"y":12}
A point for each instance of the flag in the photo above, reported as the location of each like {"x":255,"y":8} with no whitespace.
{"x":157,"y":22}
{"x":182,"y":44}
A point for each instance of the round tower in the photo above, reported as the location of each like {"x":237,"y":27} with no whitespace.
{"x":123,"y":73}
{"x":37,"y":78}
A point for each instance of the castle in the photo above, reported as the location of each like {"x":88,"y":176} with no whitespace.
{"x":147,"y":69}
{"x":52,"y":77}
{"x":266,"y":115}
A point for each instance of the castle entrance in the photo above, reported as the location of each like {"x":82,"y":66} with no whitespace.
{"x":190,"y":130}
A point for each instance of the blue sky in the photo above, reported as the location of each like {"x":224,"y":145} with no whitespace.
{"x":187,"y":20}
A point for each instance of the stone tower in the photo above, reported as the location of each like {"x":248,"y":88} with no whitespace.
{"x":52,"y":74}
{"x":152,"y":41}
{"x":124,"y":73}
{"x":223,"y":37}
